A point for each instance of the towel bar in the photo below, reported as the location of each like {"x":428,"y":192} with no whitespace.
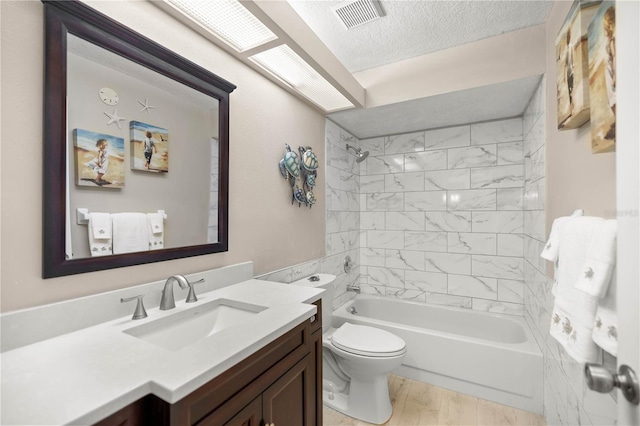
{"x":82,"y":215}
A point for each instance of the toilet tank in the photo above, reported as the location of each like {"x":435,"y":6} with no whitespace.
{"x":324,"y":281}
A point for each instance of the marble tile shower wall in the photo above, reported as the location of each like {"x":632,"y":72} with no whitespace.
{"x":442,"y":216}
{"x":567,"y":401}
{"x":342,"y":181}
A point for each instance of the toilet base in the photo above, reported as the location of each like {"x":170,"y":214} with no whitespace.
{"x":366,"y":400}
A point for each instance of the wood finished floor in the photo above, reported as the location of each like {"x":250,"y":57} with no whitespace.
{"x":420,"y":404}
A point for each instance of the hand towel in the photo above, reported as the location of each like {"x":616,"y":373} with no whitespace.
{"x":605,"y":327}
{"x":99,"y":234}
{"x":156,"y":231}
{"x":130,"y":232}
{"x":574,"y":310}
{"x":552,"y":248}
{"x":595,"y":274}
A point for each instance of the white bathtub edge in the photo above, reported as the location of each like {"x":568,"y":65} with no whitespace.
{"x":533,"y":405}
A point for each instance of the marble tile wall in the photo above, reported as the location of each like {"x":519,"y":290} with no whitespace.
{"x":454,"y":216}
{"x":441,"y":216}
{"x":342,"y":180}
{"x":567,"y":401}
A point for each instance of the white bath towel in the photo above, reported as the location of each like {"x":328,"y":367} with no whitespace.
{"x":574,"y":310}
{"x":605,"y":327}
{"x":130,"y":232}
{"x":598,"y":267}
{"x":99,"y":234}
{"x":156,"y":231}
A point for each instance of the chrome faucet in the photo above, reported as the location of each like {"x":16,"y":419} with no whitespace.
{"x":168,"y":301}
{"x":354,"y":287}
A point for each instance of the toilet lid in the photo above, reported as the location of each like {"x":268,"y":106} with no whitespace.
{"x":367,"y":341}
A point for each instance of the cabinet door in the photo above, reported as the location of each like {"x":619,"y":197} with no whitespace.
{"x":251,"y":415}
{"x":290,"y":401}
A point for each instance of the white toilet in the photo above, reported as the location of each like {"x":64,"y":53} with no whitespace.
{"x":356,"y":361}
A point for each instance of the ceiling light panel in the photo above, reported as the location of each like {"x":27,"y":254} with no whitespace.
{"x":228,"y":20}
{"x":287,"y":65}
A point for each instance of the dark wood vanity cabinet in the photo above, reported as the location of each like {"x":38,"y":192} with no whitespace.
{"x":281,"y":385}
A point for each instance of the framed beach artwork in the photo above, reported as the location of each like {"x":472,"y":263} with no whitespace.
{"x":99,"y":159}
{"x":149,"y":147}
{"x":602,"y":78}
{"x":572,"y":75}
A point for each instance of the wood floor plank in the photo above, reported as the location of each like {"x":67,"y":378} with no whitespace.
{"x":421,"y":404}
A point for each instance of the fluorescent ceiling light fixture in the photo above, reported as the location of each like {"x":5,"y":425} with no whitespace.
{"x":289,"y":67}
{"x":228,"y":20}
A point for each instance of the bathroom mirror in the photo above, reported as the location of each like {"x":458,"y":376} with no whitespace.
{"x":105,"y":82}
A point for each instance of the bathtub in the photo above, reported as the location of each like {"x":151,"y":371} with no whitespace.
{"x":490,"y":356}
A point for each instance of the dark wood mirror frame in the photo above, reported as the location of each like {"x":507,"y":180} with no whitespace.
{"x":62,"y":18}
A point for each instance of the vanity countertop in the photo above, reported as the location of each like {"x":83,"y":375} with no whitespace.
{"x":84,"y":376}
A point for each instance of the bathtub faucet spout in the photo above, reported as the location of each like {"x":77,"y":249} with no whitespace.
{"x":354,"y":287}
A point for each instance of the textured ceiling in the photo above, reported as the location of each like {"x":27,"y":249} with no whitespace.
{"x":416,"y":27}
{"x":466,"y":106}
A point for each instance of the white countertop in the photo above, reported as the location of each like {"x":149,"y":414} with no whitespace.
{"x":84,"y":376}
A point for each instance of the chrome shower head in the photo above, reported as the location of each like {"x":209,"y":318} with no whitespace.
{"x":360,"y":156}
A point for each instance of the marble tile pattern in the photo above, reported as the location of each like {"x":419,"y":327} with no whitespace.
{"x":567,"y":401}
{"x":442,"y":215}
{"x":407,"y":240}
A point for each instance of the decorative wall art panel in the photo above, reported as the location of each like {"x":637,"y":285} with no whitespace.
{"x":99,"y":159}
{"x":149,"y":147}
{"x":300,"y":171}
{"x":572,"y":66}
{"x":602,"y":78}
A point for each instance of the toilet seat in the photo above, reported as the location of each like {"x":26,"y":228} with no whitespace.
{"x":367,"y":341}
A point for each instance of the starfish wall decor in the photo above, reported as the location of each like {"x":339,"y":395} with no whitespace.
{"x":114,"y":118}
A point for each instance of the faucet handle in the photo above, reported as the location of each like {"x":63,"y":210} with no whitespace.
{"x":140,"y":312}
{"x":191,"y":297}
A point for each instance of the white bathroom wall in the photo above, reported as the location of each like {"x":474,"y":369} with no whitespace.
{"x":567,"y":401}
{"x":441,"y":216}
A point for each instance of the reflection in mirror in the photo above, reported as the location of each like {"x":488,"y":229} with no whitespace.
{"x":130,"y":127}
{"x":180,"y":179}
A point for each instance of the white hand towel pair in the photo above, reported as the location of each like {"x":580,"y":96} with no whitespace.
{"x":574,"y":310}
{"x":156,"y":231}
{"x":100,"y":234}
{"x":584,"y":251}
{"x":130,"y":232}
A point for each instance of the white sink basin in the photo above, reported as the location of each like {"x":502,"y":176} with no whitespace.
{"x":181,"y":329}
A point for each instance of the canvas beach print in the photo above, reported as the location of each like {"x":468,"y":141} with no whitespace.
{"x":99,"y":159}
{"x":602,"y":78}
{"x":572,"y":82}
{"x":149,"y":147}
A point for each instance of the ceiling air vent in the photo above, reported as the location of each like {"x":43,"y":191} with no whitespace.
{"x":353,"y":13}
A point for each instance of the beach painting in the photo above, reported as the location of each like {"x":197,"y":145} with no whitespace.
{"x":602,"y":78}
{"x":149,"y":148}
{"x":99,"y":159}
{"x":572,"y":83}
